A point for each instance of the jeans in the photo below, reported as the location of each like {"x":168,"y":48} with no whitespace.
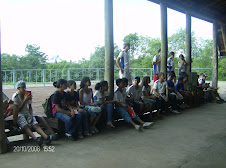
{"x":125,"y":115}
{"x":71,"y":124}
{"x":109,"y":109}
{"x":85,"y":122}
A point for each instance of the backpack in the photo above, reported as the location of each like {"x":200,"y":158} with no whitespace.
{"x":49,"y":107}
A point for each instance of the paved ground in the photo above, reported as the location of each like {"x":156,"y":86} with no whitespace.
{"x":194,"y":139}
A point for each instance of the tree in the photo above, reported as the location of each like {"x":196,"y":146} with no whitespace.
{"x":34,"y":58}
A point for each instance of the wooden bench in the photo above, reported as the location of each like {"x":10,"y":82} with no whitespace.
{"x":40,"y":119}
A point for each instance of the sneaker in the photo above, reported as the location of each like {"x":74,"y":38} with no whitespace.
{"x":39,"y":141}
{"x":138,"y":127}
{"x":92,"y":131}
{"x":148,"y":124}
{"x":182,"y":106}
{"x":95,"y":129}
{"x":49,"y":139}
{"x":186,"y":106}
{"x":69,"y":136}
{"x":219,"y":102}
{"x":80,"y":136}
{"x":175,"y":111}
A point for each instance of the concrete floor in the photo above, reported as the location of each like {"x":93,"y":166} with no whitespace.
{"x":194,"y":139}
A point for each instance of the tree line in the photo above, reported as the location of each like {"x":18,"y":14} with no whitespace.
{"x":142,"y":51}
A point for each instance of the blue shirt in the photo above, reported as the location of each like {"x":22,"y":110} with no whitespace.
{"x":170,"y":85}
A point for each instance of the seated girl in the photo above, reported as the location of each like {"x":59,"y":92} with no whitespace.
{"x":72,"y":102}
{"x":71,"y":119}
{"x":86,"y":99}
{"x":101,"y":99}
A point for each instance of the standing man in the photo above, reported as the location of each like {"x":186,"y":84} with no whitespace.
{"x":156,"y":65}
{"x":123,"y":63}
{"x":171,"y":66}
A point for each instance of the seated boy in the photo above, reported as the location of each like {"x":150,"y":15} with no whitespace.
{"x":207,"y":87}
{"x":122,"y":107}
{"x":135,"y":93}
{"x":24,"y":114}
{"x":160,"y":89}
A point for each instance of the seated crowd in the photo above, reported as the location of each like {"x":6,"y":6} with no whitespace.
{"x":81,"y":110}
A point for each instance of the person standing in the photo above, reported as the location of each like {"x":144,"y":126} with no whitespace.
{"x":182,"y":65}
{"x":171,"y":66}
{"x":156,"y":65}
{"x":123,"y":63}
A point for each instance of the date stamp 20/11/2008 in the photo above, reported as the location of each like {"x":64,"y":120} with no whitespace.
{"x":33,"y":149}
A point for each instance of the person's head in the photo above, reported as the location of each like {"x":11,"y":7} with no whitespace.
{"x":71,"y":84}
{"x":102,"y":85}
{"x":171,"y":76}
{"x":125,"y":82}
{"x":60,"y":84}
{"x":119,"y":83}
{"x":181,"y":56}
{"x":21,"y":86}
{"x":159,"y":51}
{"x":185,"y":77}
{"x":85,"y":82}
{"x":201,"y":74}
{"x":180,"y":79}
{"x":146,"y":80}
{"x":126,"y":46}
{"x":204,"y":76}
{"x":136,"y":81}
{"x":161,"y":76}
{"x":171,"y":54}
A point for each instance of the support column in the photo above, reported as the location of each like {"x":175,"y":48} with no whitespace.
{"x":188,"y":44}
{"x":109,"y":46}
{"x":164,"y":40}
{"x":3,"y":147}
{"x":215,"y":57}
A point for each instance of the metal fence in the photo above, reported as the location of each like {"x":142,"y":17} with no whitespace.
{"x":45,"y":76}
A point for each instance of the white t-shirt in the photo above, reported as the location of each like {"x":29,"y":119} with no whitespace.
{"x":98,"y":96}
{"x":18,"y":101}
{"x":160,"y":87}
{"x":156,"y":67}
{"x":170,"y":62}
{"x":120,"y":96}
{"x":125,"y":63}
{"x":183,"y":67}
{"x":137,"y":93}
{"x":146,"y":90}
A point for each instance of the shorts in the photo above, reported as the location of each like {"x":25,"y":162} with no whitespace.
{"x":125,"y":74}
{"x":23,"y":120}
{"x":156,"y":77}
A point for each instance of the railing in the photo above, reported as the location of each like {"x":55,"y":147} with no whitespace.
{"x":45,"y":76}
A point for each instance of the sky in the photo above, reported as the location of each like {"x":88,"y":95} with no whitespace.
{"x":72,"y":29}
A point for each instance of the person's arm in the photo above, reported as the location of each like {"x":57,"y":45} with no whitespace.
{"x":26,"y":99}
{"x":156,"y":93}
{"x":58,"y":108}
{"x":156,"y":62}
{"x":167,"y":92}
{"x":181,"y":63}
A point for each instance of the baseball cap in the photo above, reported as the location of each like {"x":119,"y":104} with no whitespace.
{"x":204,"y":74}
{"x":20,"y":84}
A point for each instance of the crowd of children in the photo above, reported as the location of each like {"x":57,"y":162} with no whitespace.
{"x":81,"y":110}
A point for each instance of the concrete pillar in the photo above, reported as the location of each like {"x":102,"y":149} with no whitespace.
{"x":3,"y":147}
{"x":188,"y":44}
{"x":109,"y":46}
{"x":164,"y":41}
{"x":215,"y":57}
